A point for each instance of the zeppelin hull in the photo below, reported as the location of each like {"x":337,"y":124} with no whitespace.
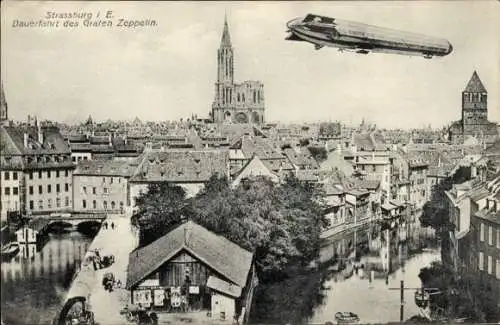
{"x":363,"y":38}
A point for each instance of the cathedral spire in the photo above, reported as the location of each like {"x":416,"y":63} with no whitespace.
{"x":226,"y":39}
{"x":3,"y":105}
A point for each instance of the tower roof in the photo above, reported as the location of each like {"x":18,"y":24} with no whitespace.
{"x":226,"y":39}
{"x":475,"y":85}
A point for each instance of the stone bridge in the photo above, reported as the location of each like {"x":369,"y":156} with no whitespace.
{"x":75,"y":220}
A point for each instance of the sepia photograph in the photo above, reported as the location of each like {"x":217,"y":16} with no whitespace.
{"x":250,"y":162}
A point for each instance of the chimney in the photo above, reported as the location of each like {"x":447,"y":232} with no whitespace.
{"x":40,"y":134}
{"x":25,"y":140}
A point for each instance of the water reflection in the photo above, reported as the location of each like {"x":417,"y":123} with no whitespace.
{"x":34,"y":283}
{"x":374,"y":302}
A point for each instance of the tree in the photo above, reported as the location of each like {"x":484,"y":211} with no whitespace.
{"x":161,"y":207}
{"x":319,"y":153}
{"x":281,"y":224}
{"x":470,"y":295}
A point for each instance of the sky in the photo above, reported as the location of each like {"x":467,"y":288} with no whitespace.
{"x":168,"y":71}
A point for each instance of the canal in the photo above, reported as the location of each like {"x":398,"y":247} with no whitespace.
{"x":374,"y":302}
{"x":35,"y":282}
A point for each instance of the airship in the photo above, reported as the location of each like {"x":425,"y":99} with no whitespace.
{"x":362,"y":38}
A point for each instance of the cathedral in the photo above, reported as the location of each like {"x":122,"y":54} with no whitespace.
{"x":474,"y":122}
{"x":235,"y":102}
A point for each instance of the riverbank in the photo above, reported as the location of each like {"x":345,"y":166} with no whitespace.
{"x":119,"y":242}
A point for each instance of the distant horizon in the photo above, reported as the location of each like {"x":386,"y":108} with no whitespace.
{"x":166,"y":72}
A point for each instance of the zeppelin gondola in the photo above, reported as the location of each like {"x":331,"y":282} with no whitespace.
{"x":362,"y":38}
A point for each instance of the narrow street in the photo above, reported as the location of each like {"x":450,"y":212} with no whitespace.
{"x":374,"y":302}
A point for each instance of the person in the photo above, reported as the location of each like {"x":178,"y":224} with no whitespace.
{"x":105,"y":225}
{"x":112,"y":225}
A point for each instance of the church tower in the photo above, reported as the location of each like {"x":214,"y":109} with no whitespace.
{"x":474,"y":104}
{"x":3,"y":107}
{"x":225,"y":69}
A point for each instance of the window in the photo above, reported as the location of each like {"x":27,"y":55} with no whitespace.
{"x":105,"y":190}
{"x":15,"y":191}
{"x":7,"y":191}
{"x":66,"y":201}
{"x":48,"y":173}
{"x":94,"y":204}
{"x":66,"y":187}
{"x":32,"y":205}
{"x":481,"y":232}
{"x":104,"y":179}
{"x":39,"y":174}
{"x":113,"y":205}
{"x":31,"y":190}
{"x":6,"y":175}
{"x":84,"y":204}
{"x":93,"y":190}
{"x":14,"y":176}
{"x":57,"y":173}
{"x":31,"y":175}
{"x":66,"y":173}
{"x":49,"y":203}
{"x":40,"y":190}
{"x":490,"y":235}
{"x":111,"y":180}
{"x":73,"y":158}
{"x":490,"y":264}
{"x":58,"y":202}
{"x":481,"y":261}
{"x":49,"y":188}
{"x":498,"y":269}
{"x":105,"y":205}
{"x":58,"y":188}
{"x":40,"y":204}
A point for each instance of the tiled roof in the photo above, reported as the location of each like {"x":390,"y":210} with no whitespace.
{"x":230,"y":289}
{"x":475,"y":85}
{"x":300,"y":159}
{"x":257,"y":146}
{"x":53,"y":141}
{"x":222,"y":255}
{"x":104,"y":168}
{"x":308,"y":175}
{"x":364,"y":142}
{"x":182,"y":166}
{"x":80,"y":147}
{"x":367,"y":184}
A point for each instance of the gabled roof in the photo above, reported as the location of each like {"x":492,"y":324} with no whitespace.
{"x":219,"y":253}
{"x":475,"y":85}
{"x":254,"y":167}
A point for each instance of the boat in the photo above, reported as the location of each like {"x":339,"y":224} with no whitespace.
{"x":422,"y":298}
{"x":346,"y":317}
{"x":10,"y":250}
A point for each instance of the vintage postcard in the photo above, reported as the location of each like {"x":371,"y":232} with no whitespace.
{"x":270,"y":162}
